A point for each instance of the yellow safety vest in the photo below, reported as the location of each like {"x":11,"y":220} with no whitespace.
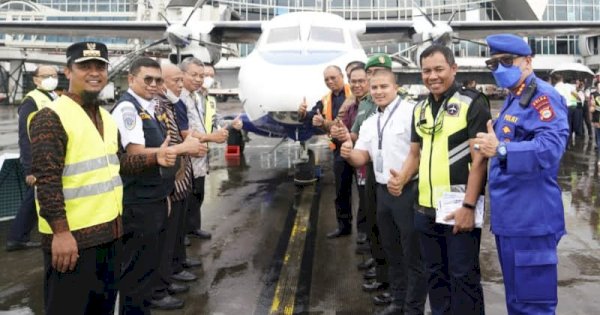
{"x":445,"y":152}
{"x":40,"y":99}
{"x":327,"y":101}
{"x":91,"y":182}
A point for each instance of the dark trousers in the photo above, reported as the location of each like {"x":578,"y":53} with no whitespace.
{"x":530,"y":271}
{"x":144,"y":228}
{"x":372,"y":227}
{"x":361,"y":215}
{"x":395,"y":218}
{"x":343,"y":194}
{"x":179,"y":254}
{"x":587,"y":120}
{"x":89,"y":289}
{"x":172,"y":237}
{"x":25,"y":220}
{"x":575,"y":119}
{"x":194,"y":213}
{"x":597,"y":130}
{"x":452,"y":266}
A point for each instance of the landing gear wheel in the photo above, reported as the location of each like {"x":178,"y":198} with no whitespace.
{"x":304,"y":173}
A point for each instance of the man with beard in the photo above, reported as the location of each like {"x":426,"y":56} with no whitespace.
{"x":74,"y":146}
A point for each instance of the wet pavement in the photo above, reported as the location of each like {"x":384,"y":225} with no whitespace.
{"x":269,"y":252}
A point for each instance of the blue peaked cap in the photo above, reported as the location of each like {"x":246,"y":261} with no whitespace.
{"x":508,"y":44}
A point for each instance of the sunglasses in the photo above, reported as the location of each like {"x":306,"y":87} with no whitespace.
{"x":148,"y":80}
{"x":506,"y":61}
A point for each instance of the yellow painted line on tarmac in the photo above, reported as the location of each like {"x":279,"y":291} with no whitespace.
{"x":285,"y":292}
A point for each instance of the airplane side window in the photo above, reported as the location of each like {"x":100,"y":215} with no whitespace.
{"x":284,"y":34}
{"x":326,"y":34}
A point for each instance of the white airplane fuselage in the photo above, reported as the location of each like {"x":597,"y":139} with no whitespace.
{"x":287,"y":65}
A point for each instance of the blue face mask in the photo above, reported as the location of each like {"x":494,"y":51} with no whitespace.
{"x":507,"y":77}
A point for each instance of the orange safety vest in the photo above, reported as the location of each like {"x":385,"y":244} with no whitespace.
{"x":327,"y":101}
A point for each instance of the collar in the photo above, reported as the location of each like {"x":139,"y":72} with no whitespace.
{"x":147,"y":105}
{"x":449,"y":92}
{"x":517,"y":91}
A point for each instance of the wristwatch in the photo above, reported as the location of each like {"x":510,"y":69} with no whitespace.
{"x":501,"y":151}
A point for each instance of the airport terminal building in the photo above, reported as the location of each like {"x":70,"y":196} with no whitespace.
{"x":550,"y":50}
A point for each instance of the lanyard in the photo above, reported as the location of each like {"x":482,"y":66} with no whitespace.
{"x":380,"y":129}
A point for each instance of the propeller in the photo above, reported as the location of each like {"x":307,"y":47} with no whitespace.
{"x":198,"y":4}
{"x":424,"y":14}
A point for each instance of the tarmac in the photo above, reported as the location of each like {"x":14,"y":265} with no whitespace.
{"x":269,"y":253}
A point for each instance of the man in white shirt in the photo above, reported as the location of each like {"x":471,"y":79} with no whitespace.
{"x":569,"y":92}
{"x":384,"y":138}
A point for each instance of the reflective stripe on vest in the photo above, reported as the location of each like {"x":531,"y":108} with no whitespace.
{"x":92,"y":186}
{"x":209,"y":113}
{"x":327,"y":102}
{"x":445,"y":153}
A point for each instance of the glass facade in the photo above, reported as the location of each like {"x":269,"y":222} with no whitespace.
{"x":439,"y":10}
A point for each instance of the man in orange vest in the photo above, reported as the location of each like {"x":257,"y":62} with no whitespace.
{"x":323,"y":115}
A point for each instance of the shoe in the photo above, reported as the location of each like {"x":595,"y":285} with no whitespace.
{"x":338,"y":233}
{"x":185,"y":276}
{"x":370,"y":274}
{"x":186,"y":241}
{"x":362,"y":249}
{"x":191,"y":263}
{"x":166,"y":303}
{"x":367,"y":264}
{"x":361,"y":238}
{"x":175,"y":288}
{"x":384,"y":298}
{"x":12,"y":246}
{"x":374,"y":285}
{"x":392,"y":309}
{"x":201,"y":234}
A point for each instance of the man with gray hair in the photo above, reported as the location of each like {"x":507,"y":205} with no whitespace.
{"x":196,"y":117}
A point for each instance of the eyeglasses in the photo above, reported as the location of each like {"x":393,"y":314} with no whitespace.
{"x":506,"y":61}
{"x":46,"y":76}
{"x":148,"y":80}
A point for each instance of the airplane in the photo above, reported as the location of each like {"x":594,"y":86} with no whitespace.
{"x":292,"y":50}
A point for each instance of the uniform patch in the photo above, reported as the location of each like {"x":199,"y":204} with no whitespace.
{"x":145,"y":116}
{"x":511,"y":118}
{"x":543,"y":107}
{"x":453,"y":109}
{"x":506,"y":129}
{"x":129,"y":119}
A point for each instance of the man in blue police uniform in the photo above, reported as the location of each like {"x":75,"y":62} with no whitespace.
{"x":525,"y":145}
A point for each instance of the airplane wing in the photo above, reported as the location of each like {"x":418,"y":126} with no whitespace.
{"x":402,"y":31}
{"x":228,"y":31}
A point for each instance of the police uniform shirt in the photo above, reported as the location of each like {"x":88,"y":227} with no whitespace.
{"x":395,"y":137}
{"x":129,"y":122}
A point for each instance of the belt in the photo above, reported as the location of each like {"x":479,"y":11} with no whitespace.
{"x":430,"y":212}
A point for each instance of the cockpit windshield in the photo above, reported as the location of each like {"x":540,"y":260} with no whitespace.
{"x":284,"y":34}
{"x":326,"y":34}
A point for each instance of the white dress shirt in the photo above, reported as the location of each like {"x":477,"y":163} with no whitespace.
{"x":395,"y":143}
{"x":129,"y":122}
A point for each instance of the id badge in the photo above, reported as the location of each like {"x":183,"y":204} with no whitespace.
{"x":379,"y":162}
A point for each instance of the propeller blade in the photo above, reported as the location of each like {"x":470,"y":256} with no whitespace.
{"x":452,"y":17}
{"x":424,"y":14}
{"x":198,"y":4}
{"x":201,"y":42}
{"x":470,"y":41}
{"x":178,"y":55}
{"x":116,"y":69}
{"x":164,"y":18}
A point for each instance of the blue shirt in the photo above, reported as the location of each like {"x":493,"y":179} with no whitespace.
{"x":525,"y":197}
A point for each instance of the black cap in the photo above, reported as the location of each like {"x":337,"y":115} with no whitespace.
{"x":84,"y":51}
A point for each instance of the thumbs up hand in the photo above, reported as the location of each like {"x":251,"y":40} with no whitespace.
{"x":486,"y":143}
{"x":339,"y":131}
{"x":302,"y":108}
{"x":194,"y":147}
{"x":346,"y":149}
{"x":237,"y":123}
{"x":395,"y":184}
{"x":318,"y":119}
{"x":166,"y":155}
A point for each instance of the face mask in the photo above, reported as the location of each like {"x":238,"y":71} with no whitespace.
{"x":49,"y":84}
{"x":208,"y":82}
{"x":507,"y":77}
